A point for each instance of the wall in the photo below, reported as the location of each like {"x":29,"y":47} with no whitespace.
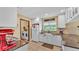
{"x":71,"y":28}
{"x":8,"y":16}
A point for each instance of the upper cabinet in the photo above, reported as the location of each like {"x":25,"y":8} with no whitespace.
{"x":61,"y":21}
{"x":8,"y":16}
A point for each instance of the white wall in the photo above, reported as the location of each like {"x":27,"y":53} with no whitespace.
{"x":8,"y":16}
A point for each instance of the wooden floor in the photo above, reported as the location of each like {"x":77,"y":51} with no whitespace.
{"x":37,"y":46}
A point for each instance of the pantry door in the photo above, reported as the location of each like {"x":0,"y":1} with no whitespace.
{"x":24,"y":29}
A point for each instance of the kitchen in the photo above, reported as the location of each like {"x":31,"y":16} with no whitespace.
{"x":39,"y":28}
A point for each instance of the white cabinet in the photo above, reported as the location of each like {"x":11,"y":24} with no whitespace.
{"x":61,"y":21}
{"x":8,"y":16}
{"x":51,"y":39}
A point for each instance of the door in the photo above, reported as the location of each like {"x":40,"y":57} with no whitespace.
{"x":35,"y":32}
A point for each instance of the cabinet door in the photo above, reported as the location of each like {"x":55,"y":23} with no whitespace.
{"x":8,"y":16}
{"x":61,"y":21}
{"x":35,"y":33}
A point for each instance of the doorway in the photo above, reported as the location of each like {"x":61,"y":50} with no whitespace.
{"x":24,"y":29}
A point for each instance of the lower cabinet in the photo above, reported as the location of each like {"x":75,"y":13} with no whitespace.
{"x":51,"y":39}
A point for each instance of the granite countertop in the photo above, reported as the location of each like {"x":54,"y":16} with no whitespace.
{"x":19,"y":44}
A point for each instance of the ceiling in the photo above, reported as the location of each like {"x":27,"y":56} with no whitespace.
{"x":33,"y":12}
